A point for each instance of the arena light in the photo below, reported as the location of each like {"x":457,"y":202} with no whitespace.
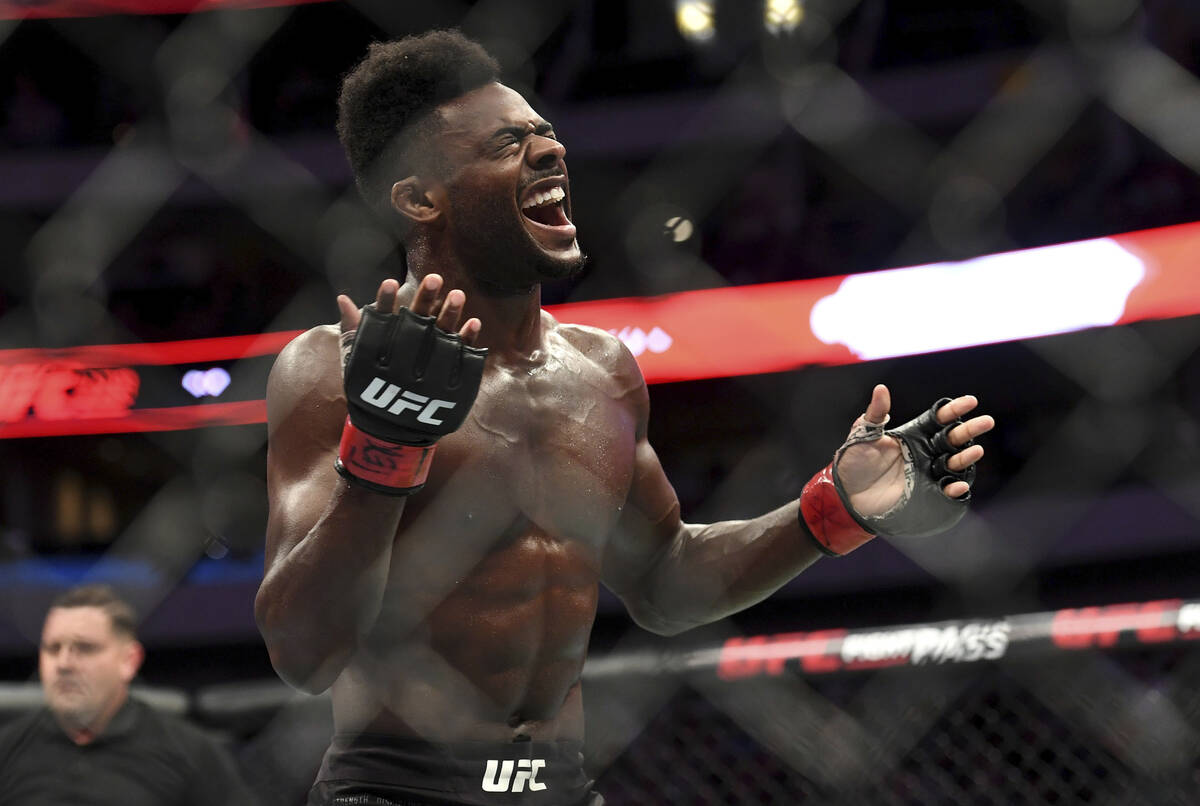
{"x":695,"y":20}
{"x":1077,"y":285}
{"x":719,"y":332}
{"x":782,"y":16}
{"x":206,"y":383}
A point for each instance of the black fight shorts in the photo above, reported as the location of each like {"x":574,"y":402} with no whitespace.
{"x":375,"y":770}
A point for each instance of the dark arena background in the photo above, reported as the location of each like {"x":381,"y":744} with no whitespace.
{"x":747,"y":177}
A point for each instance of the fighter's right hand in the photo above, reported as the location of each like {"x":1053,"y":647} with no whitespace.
{"x":410,"y":378}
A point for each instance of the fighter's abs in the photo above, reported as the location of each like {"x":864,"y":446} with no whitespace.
{"x":503,"y":648}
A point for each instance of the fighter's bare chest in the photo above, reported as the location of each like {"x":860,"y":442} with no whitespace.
{"x":555,"y":445}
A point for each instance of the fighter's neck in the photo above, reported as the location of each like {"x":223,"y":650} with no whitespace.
{"x":512,"y":324}
{"x":511,"y":321}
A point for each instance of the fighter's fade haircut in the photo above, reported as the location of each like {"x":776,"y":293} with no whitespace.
{"x":385,"y":103}
{"x":120,"y":612}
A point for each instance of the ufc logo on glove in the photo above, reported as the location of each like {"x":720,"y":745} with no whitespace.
{"x":379,"y":393}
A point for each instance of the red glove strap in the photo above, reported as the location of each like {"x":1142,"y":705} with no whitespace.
{"x":826,"y":516}
{"x":381,"y":463}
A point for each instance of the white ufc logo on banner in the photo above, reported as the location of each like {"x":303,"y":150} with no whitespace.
{"x":498,"y":774}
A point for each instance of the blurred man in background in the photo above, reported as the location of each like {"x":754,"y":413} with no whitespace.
{"x":93,"y":743}
{"x":448,"y":601}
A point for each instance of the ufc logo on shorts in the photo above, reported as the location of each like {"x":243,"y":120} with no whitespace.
{"x":498,"y":774}
{"x":380,"y":393}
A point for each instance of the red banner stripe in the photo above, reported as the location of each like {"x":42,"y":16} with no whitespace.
{"x":772,"y":327}
{"x":1172,"y":284}
{"x":191,"y":351}
{"x":176,"y":418}
{"x":719,"y":332}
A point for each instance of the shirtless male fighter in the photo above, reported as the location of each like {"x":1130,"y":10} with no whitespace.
{"x":447,"y":599}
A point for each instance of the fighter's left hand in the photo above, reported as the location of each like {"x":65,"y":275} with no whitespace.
{"x":872,"y":473}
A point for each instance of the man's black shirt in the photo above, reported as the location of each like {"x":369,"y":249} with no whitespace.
{"x":143,"y":758}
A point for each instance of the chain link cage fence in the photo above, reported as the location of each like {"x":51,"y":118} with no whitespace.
{"x":175,"y":206}
{"x":1012,"y":733}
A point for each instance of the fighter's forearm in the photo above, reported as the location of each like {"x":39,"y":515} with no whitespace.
{"x":713,"y":570}
{"x":323,"y":594}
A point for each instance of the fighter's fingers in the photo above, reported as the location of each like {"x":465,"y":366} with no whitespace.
{"x":956,"y":408}
{"x":470,"y":331}
{"x":452,"y":308}
{"x":962,"y":434}
{"x":880,"y":405}
{"x":964,"y":459}
{"x":956,"y":489}
{"x":425,"y":302}
{"x":348,"y":314}
{"x":385,"y":297}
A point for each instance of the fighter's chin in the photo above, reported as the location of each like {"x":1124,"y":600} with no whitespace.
{"x":560,"y":257}
{"x":565,"y":264}
{"x":562,"y":266}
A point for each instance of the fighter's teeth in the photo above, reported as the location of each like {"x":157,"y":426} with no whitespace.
{"x":555,"y":194}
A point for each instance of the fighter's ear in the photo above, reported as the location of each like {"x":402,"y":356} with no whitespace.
{"x":418,"y":199}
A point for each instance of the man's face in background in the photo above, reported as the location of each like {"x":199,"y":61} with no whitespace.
{"x":85,"y":665}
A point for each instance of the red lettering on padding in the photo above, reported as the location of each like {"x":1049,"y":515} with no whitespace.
{"x":741,"y":657}
{"x":66,"y":392}
{"x":823,"y":660}
{"x":1102,"y":626}
{"x":1166,"y":632}
{"x":758,"y":654}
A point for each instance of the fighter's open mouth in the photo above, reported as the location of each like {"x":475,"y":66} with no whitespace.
{"x":546,"y":208}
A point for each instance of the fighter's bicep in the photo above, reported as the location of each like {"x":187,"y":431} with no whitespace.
{"x":296,"y":497}
{"x":649,"y":524}
{"x":304,"y":415}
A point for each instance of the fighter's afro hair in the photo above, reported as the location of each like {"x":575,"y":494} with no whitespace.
{"x":384,"y":103}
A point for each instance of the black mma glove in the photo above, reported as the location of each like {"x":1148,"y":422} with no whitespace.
{"x":408,"y":383}
{"x":923,"y":509}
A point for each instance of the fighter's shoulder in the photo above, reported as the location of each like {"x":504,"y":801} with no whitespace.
{"x":308,"y":357}
{"x":602,"y":347}
{"x":306,"y":378}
